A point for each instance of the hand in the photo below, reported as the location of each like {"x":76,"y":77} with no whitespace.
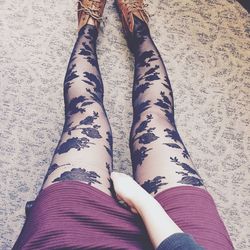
{"x":158,"y":223}
{"x":127,"y":190}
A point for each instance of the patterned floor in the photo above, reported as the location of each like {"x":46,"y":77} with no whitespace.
{"x":205,"y":45}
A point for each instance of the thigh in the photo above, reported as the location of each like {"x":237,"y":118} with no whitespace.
{"x":194,"y":211}
{"x":160,"y":159}
{"x":84,"y":151}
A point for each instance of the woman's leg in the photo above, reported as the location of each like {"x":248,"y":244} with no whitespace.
{"x":84,"y":152}
{"x":159,"y":157}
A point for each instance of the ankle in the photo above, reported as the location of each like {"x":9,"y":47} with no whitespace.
{"x":140,"y":28}
{"x":138,"y":35}
{"x":90,"y":21}
{"x":89,"y":30}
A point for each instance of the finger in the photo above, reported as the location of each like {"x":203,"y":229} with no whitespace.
{"x":119,"y":198}
{"x":133,"y":210}
{"x":114,"y":175}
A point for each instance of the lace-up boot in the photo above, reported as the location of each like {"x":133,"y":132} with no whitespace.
{"x":88,"y":9}
{"x":134,"y":18}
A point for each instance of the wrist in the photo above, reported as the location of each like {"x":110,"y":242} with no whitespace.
{"x":143,"y":202}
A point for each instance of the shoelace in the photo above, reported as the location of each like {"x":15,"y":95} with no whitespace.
{"x":93,"y":11}
{"x":132,"y":5}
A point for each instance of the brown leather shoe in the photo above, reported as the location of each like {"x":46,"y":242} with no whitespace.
{"x":130,"y":8}
{"x":90,"y":9}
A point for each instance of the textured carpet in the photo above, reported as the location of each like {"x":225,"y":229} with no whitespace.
{"x":205,"y":45}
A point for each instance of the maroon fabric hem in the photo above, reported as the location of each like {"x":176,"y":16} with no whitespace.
{"x":74,"y":215}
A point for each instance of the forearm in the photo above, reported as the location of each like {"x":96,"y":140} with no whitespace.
{"x":159,"y":225}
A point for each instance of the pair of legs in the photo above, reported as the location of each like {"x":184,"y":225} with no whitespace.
{"x":84,"y":152}
{"x":72,"y":215}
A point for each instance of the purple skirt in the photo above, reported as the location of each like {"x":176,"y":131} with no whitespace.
{"x":74,"y":215}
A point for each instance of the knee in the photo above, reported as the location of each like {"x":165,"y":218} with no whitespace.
{"x":82,"y":104}
{"x":81,"y":110}
{"x":152,"y":117}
